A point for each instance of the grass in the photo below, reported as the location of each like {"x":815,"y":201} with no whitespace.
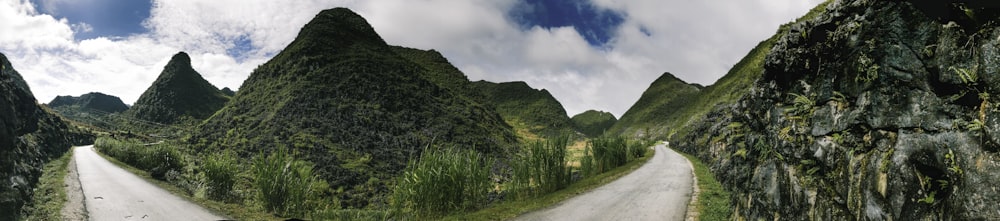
{"x":233,"y":210}
{"x":50,"y":194}
{"x":443,"y":180}
{"x":510,"y":209}
{"x":158,"y":159}
{"x":284,"y":185}
{"x":542,"y":168}
{"x":713,"y":201}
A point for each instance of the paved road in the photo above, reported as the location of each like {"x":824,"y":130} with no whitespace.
{"x":659,"y":190}
{"x":115,"y":194}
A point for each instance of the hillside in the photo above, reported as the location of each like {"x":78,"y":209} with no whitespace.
{"x":30,"y":136}
{"x":865,"y":110}
{"x":178,"y":94}
{"x":658,"y":106}
{"x":533,"y":113}
{"x":593,"y":123}
{"x":92,"y":108}
{"x":350,"y":104}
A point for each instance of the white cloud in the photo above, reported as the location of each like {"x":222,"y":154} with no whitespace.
{"x":696,"y":40}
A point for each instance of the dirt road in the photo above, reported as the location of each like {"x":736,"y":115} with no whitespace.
{"x":659,"y":190}
{"x":115,"y":194}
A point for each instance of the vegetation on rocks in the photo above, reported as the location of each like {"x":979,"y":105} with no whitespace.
{"x":593,"y":123}
{"x":353,"y":107}
{"x":178,"y":94}
{"x":533,"y":113}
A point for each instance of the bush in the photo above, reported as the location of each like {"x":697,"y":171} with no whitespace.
{"x":542,"y":168}
{"x":603,"y":154}
{"x":284,"y":184}
{"x":442,"y":181}
{"x":220,"y":171}
{"x":158,"y":159}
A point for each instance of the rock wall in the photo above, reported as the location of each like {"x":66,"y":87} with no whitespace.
{"x":30,"y":136}
{"x":874,"y":110}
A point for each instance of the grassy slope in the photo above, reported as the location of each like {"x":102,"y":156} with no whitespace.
{"x":593,"y":123}
{"x":658,"y":105}
{"x":532,"y":113}
{"x":348,"y":102}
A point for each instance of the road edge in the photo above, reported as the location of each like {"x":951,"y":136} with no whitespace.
{"x":692,"y":208}
{"x":75,"y":207}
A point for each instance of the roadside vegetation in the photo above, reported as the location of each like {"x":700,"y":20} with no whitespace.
{"x":50,"y":194}
{"x":442,"y":183}
{"x":713,"y":200}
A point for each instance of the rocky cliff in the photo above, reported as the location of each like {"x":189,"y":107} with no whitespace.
{"x":872,"y":110}
{"x":30,"y":136}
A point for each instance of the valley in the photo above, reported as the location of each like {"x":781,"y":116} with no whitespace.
{"x":857,"y":110}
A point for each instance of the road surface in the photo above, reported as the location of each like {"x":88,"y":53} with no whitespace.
{"x":115,"y":194}
{"x":659,"y":190}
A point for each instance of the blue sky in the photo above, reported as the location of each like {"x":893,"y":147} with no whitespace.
{"x":104,"y":17}
{"x":590,"y":54}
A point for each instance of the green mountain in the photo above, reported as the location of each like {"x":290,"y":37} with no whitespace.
{"x":179,"y":93}
{"x":658,"y":107}
{"x":593,"y":123}
{"x":228,"y":92}
{"x":93,"y":108}
{"x":30,"y":136}
{"x":353,"y":106}
{"x":533,"y":113}
{"x":546,"y":117}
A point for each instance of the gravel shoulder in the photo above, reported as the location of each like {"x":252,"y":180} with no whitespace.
{"x":74,"y":208}
{"x":113,"y":193}
{"x":659,"y":190}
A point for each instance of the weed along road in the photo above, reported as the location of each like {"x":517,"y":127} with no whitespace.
{"x":113,"y":193}
{"x":659,"y":190}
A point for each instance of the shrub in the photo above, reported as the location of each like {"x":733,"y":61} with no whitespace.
{"x":220,"y":171}
{"x":284,"y":185}
{"x":442,"y":181}
{"x":541,"y":168}
{"x":158,"y":159}
{"x":603,"y":154}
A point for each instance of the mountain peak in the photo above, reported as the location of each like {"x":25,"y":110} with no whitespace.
{"x":336,"y":28}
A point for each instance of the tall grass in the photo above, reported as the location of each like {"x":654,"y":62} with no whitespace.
{"x":541,"y":168}
{"x":442,"y":181}
{"x":220,"y":171}
{"x":603,"y":154}
{"x":158,"y":159}
{"x":284,"y":185}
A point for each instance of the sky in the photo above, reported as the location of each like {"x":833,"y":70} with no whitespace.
{"x":590,"y":54}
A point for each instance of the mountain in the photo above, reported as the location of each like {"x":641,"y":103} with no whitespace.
{"x":658,"y":106}
{"x":178,"y":93}
{"x":228,"y":92}
{"x":93,"y":100}
{"x":593,"y":123}
{"x":30,"y":136}
{"x":506,"y":98}
{"x":353,"y":106}
{"x":865,"y":110}
{"x":533,"y":113}
{"x":93,"y":108}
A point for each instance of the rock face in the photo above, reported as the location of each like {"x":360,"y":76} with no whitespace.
{"x":30,"y":136}
{"x":178,"y":92}
{"x":872,"y":110}
{"x":654,"y":110}
{"x":593,"y":123}
{"x":353,"y":106}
